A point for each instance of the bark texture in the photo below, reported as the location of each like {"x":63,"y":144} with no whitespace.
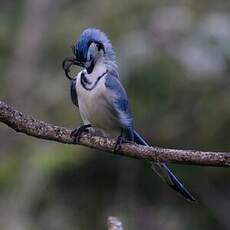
{"x":26,"y":124}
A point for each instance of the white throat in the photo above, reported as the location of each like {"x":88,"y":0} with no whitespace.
{"x":99,"y":69}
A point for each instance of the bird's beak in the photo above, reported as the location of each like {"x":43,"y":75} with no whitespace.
{"x":67,"y":63}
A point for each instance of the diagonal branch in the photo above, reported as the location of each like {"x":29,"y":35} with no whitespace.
{"x":28,"y":125}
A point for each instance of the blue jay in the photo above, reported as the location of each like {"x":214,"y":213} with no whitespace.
{"x":101,"y":98}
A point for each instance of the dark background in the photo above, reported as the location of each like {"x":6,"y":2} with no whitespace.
{"x":174,"y":62}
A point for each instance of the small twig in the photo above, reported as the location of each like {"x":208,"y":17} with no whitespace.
{"x":28,"y":125}
{"x":114,"y":223}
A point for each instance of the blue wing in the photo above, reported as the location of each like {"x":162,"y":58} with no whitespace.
{"x":120,"y":104}
{"x":73,"y":92}
{"x":119,"y":101}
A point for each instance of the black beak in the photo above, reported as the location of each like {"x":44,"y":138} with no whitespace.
{"x":67,"y":63}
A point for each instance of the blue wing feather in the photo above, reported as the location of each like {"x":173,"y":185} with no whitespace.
{"x":119,"y":100}
{"x":165,"y":173}
{"x":73,"y":92}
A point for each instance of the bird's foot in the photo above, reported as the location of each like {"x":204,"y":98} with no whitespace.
{"x":76,"y":133}
{"x":118,"y":143}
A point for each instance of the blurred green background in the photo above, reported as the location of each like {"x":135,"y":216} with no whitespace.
{"x":174,"y":60}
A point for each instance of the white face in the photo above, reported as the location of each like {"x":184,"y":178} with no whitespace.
{"x":93,"y":53}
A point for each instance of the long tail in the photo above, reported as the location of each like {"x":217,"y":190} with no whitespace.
{"x":164,"y":172}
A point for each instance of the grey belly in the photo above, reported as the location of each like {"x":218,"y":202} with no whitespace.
{"x":100,"y":114}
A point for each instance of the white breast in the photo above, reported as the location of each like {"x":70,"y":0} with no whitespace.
{"x":94,"y":105}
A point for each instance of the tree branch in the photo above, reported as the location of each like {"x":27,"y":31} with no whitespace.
{"x":28,"y":125}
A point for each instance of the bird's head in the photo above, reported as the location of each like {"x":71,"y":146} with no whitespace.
{"x":92,"y":45}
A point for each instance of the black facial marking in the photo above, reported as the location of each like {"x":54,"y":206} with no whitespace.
{"x":100,"y":46}
{"x":90,"y":68}
{"x":84,"y":79}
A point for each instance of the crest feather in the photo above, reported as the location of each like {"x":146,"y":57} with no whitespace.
{"x":93,"y":35}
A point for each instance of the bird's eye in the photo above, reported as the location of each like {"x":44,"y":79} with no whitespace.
{"x":100,"y":46}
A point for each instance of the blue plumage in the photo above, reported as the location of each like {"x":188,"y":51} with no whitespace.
{"x":101,"y":98}
{"x":120,"y":100}
{"x":93,"y":35}
{"x":120,"y":104}
{"x":165,"y":173}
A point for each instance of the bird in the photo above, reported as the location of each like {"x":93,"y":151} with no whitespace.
{"x":102,"y":100}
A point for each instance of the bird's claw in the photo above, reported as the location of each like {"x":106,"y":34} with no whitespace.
{"x":118,"y":144}
{"x":76,"y":133}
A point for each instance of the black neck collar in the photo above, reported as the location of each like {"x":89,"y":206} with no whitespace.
{"x":87,"y":84}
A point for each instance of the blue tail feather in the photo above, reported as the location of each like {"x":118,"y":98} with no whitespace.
{"x":164,"y":172}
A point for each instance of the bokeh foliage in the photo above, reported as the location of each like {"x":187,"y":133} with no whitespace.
{"x":174,"y":62}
